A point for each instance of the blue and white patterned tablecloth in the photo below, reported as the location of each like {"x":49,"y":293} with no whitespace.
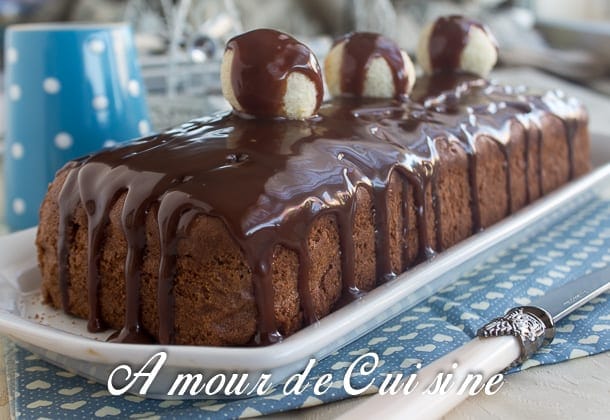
{"x":578,"y":244}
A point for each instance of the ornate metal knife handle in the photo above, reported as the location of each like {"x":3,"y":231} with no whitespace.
{"x":533,"y":327}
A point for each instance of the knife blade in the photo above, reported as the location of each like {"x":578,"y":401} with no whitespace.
{"x":565,"y":299}
{"x":500,"y":344}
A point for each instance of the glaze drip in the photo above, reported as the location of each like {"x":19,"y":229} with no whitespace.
{"x":269,"y":180}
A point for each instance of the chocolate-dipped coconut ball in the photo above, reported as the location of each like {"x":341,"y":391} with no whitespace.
{"x":267,"y":73}
{"x":368,"y":65}
{"x":457,"y":43}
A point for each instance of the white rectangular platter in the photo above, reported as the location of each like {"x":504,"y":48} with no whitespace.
{"x":64,"y":340}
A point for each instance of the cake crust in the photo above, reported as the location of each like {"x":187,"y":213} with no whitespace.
{"x":522,"y":146}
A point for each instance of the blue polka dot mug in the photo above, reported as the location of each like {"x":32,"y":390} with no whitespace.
{"x":70,"y":89}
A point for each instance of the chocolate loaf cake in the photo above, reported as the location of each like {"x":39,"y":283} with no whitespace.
{"x":232,"y":230}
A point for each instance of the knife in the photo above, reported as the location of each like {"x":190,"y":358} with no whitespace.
{"x":500,"y":344}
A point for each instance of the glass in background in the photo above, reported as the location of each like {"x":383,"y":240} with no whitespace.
{"x":570,"y":10}
{"x":183,"y":42}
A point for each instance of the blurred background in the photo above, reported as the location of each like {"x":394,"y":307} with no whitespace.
{"x":180,"y":42}
{"x":548,"y":44}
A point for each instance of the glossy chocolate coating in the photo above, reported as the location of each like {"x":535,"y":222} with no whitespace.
{"x":268,"y":180}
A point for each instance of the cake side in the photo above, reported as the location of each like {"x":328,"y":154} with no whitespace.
{"x":244,"y":227}
{"x":213,"y":291}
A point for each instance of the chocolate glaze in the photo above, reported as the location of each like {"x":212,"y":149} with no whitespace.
{"x":359,"y":50}
{"x":448,"y":39}
{"x":268,"y":180}
{"x":262,"y":61}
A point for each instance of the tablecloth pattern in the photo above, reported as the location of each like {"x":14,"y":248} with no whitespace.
{"x":577,"y":244}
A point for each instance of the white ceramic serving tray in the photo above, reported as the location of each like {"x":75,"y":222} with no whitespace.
{"x":64,"y":340}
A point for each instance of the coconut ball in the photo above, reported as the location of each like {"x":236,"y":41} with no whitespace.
{"x":267,"y":74}
{"x":367,"y":64}
{"x":457,"y":43}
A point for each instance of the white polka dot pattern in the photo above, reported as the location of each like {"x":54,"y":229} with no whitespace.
{"x":109,"y":143}
{"x":97,"y":46}
{"x":14,"y":92}
{"x":63,"y":141}
{"x":100,"y":103}
{"x":144,"y":127}
{"x":18,"y":206}
{"x":12,"y":56}
{"x":51,"y":85}
{"x":134,"y":88}
{"x":17,"y":150}
{"x":84,"y":108}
